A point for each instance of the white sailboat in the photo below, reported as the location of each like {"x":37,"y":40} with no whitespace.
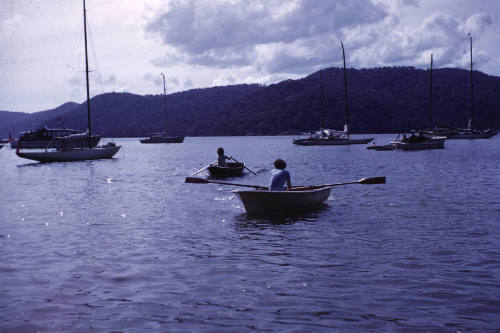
{"x":329,"y":137}
{"x":469,"y":132}
{"x":68,"y":153}
{"x":163,"y":137}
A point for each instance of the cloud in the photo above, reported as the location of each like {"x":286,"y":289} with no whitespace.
{"x":439,"y":33}
{"x":111,"y":80}
{"x":476,"y":24}
{"x":240,"y":33}
{"x":156,"y":79}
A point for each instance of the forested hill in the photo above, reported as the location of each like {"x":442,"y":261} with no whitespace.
{"x":380,"y":100}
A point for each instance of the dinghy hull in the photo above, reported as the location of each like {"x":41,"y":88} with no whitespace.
{"x":232,"y":170}
{"x":281,"y":203}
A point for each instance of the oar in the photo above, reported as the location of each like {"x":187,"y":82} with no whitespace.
{"x":243,"y":165}
{"x":197,"y":172}
{"x":195,"y":180}
{"x":364,"y":181}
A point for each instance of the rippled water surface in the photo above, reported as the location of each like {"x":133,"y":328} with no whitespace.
{"x":124,"y":245}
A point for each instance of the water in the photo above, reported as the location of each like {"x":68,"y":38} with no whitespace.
{"x":124,"y":245}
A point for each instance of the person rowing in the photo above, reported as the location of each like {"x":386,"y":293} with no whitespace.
{"x":280,"y":176}
{"x":221,"y":158}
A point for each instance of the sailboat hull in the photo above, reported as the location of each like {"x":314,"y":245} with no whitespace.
{"x":330,"y":141}
{"x":429,"y":143}
{"x":71,"y":155}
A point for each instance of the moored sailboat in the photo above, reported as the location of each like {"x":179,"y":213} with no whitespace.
{"x":469,"y":132}
{"x":163,"y":137}
{"x":68,"y":153}
{"x":421,"y":140}
{"x":329,"y":137}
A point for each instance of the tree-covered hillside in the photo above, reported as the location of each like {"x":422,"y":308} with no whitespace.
{"x":379,"y":100}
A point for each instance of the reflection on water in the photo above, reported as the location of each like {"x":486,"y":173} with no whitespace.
{"x":126,"y":245}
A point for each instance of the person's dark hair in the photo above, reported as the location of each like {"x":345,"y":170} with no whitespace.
{"x":279,"y":164}
{"x":220,"y":151}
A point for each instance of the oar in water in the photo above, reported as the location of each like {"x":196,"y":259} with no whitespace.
{"x":195,"y":180}
{"x":364,"y":181}
{"x":243,"y":165}
{"x":197,"y":172}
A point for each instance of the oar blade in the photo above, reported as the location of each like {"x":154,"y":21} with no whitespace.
{"x":373,"y":180}
{"x":196,"y":180}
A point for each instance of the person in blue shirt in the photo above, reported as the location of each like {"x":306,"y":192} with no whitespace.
{"x":221,"y":158}
{"x":280,"y":176}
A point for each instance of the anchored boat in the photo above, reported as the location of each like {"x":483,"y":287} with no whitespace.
{"x":281,"y":203}
{"x":329,"y":137}
{"x":67,"y":152}
{"x":54,"y":138}
{"x":462,"y":133}
{"x":419,"y":142}
{"x":163,"y":137}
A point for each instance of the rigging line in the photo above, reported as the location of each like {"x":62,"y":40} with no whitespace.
{"x":92,"y":47}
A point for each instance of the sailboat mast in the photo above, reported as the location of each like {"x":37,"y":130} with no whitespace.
{"x":345,"y":92}
{"x":322,"y":109}
{"x":87,"y":73}
{"x":471,"y":88}
{"x":165,"y":104}
{"x":430,"y":99}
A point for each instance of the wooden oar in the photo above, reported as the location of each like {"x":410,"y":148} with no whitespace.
{"x":195,"y":180}
{"x":364,"y":181}
{"x":243,"y":165}
{"x":197,"y":172}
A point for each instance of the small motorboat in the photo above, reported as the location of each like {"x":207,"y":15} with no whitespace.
{"x":281,"y":203}
{"x":233,"y":169}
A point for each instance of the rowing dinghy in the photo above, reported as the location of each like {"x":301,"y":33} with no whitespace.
{"x":281,"y":203}
{"x":232,"y":169}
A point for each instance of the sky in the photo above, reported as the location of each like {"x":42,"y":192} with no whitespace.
{"x":198,"y":43}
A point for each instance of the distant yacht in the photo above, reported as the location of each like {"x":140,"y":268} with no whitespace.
{"x":420,"y":139}
{"x":163,"y":137}
{"x":67,"y":152}
{"x":329,"y":137}
{"x":469,"y":132}
{"x":54,"y":138}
